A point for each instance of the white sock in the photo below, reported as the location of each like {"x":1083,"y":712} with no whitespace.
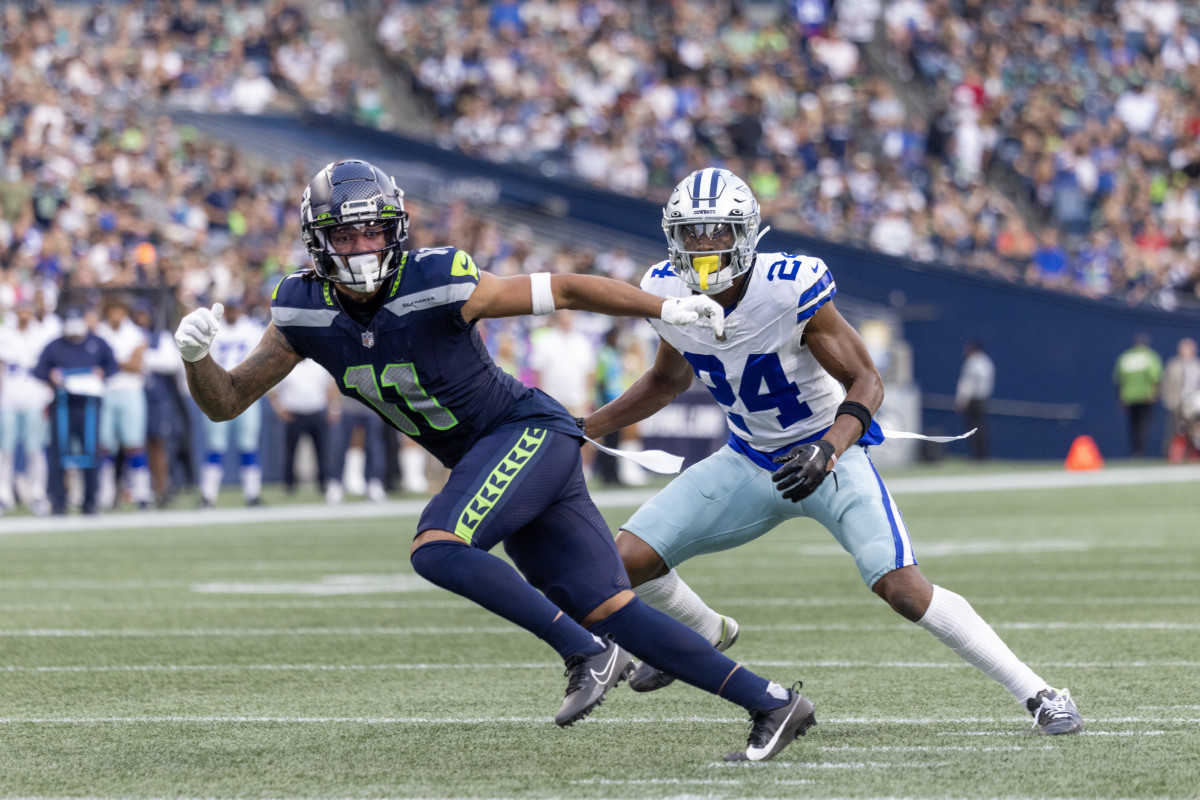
{"x":954,"y":623}
{"x":106,"y":493}
{"x":670,"y":595}
{"x":36,"y":474}
{"x":139,"y":485}
{"x":352,"y":473}
{"x":210,"y":481}
{"x":7,"y":497}
{"x":412,"y":470}
{"x":251,"y":482}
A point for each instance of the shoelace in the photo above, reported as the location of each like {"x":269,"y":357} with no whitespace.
{"x":759,"y":735}
{"x":576,"y":673}
{"x":1053,"y":707}
{"x":758,"y":730}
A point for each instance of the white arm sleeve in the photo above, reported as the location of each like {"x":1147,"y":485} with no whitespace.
{"x":543,"y":297}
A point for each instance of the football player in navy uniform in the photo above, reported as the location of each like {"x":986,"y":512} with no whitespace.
{"x":799,"y":392}
{"x":397,"y":330}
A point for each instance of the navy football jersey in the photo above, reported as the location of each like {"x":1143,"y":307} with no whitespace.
{"x":418,"y":364}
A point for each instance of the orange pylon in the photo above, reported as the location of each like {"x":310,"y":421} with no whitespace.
{"x":1084,"y":455}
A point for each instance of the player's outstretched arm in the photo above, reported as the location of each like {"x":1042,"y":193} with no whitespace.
{"x":666,"y":379}
{"x":840,"y":350}
{"x":542,"y":294}
{"x":223,"y":394}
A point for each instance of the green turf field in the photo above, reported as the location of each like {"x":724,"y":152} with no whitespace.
{"x":228,"y":655}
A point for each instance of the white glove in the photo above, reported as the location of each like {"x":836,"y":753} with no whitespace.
{"x":196,"y":332}
{"x":698,"y":309}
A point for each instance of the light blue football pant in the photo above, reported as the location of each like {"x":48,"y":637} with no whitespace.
{"x":727,"y":500}
{"x":244,"y":429}
{"x":24,"y":426}
{"x":123,"y":419}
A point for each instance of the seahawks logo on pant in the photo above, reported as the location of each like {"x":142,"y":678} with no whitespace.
{"x":497,"y":482}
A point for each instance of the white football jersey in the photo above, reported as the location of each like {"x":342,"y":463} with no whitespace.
{"x":773,"y":391}
{"x":235,"y":340}
{"x":19,"y":354}
{"x":124,"y":341}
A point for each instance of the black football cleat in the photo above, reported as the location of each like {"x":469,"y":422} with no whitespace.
{"x":773,"y":730}
{"x":589,"y":679}
{"x":1054,"y":712}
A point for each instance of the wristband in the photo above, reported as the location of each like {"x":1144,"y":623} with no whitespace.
{"x":542,"y":296}
{"x":856,"y":410}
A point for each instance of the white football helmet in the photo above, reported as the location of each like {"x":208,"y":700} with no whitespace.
{"x":702,"y":204}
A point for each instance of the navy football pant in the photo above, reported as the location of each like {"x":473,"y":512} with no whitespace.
{"x":524,"y":487}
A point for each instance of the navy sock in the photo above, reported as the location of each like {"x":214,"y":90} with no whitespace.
{"x":673,"y":647}
{"x":487,"y":580}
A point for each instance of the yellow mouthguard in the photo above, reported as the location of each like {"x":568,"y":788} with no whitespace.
{"x":705,"y":266}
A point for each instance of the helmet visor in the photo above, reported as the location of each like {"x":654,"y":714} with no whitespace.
{"x":361,"y":237}
{"x":716,"y":235}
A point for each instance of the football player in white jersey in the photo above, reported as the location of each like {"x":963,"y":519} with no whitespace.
{"x":799,"y":392}
{"x":123,"y":411}
{"x":23,"y":401}
{"x":235,"y":340}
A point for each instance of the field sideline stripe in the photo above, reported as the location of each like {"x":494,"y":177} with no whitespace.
{"x":80,"y":668}
{"x":219,"y":720}
{"x":1112,"y":476}
{"x":508,"y":630}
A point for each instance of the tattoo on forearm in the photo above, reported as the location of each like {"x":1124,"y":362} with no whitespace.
{"x":224,"y":395}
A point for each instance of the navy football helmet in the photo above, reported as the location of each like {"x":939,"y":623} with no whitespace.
{"x":353,"y":192}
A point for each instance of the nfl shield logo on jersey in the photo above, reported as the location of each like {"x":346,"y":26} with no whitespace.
{"x":368,"y":339}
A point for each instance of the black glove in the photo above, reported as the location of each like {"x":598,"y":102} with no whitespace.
{"x":804,"y":467}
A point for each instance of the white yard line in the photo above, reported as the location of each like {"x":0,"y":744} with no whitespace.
{"x":502,"y":630}
{"x":1116,"y":476}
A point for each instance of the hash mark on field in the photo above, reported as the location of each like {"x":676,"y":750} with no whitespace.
{"x":1084,"y":733}
{"x":846,"y":748}
{"x":843,"y":764}
{"x":1022,"y":626}
{"x":676,"y":782}
{"x":327,"y":585}
{"x":874,"y":602}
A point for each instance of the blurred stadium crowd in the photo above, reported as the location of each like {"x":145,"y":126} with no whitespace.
{"x":1041,"y":142}
{"x":1045,"y":143}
